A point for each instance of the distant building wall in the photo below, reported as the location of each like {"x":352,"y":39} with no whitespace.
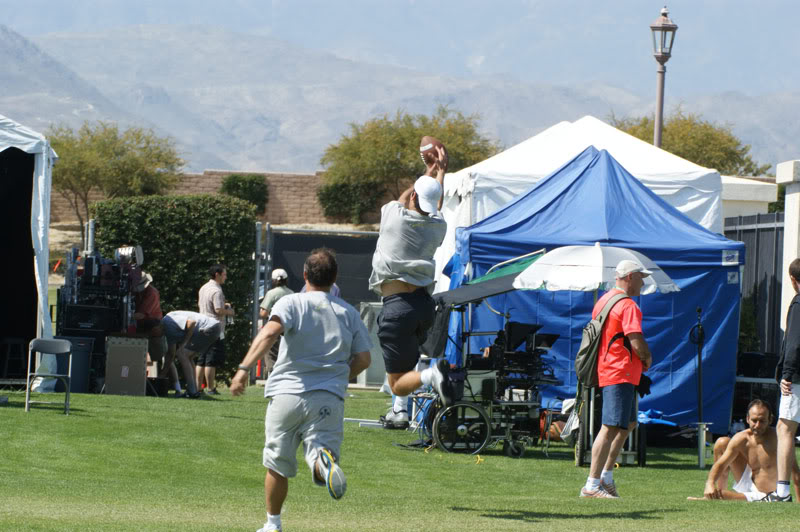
{"x":292,"y":197}
{"x":62,"y":212}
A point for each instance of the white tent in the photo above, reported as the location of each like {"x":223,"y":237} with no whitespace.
{"x":473,"y":193}
{"x":14,"y":135}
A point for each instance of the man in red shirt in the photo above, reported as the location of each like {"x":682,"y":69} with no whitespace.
{"x":622,"y":358}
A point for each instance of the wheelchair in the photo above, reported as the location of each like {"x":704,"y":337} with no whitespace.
{"x":498,"y":392}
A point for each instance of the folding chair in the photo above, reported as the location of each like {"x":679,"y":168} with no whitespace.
{"x":57,"y":348}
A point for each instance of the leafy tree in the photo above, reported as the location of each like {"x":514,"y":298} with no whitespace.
{"x":697,"y":140}
{"x":100,"y":157}
{"x":247,"y":187}
{"x":779,"y":204}
{"x":382,"y":155}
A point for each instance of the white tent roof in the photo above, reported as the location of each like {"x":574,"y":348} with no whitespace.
{"x":473,"y":193}
{"x":14,"y":135}
{"x":692,"y":189}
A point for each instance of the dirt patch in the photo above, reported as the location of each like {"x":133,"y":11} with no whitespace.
{"x":63,"y":237}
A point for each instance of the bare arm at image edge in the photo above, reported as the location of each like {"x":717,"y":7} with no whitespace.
{"x":261,"y":345}
{"x":641,"y":349}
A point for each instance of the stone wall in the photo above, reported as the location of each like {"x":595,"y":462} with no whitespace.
{"x":292,"y":197}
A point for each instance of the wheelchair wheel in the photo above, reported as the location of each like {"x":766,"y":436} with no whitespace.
{"x":462,"y":427}
{"x":513,"y":448}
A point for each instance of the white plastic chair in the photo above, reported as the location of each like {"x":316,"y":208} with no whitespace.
{"x":54,"y":347}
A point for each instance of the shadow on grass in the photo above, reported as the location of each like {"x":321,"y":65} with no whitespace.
{"x":55,"y":406}
{"x":529,"y":516}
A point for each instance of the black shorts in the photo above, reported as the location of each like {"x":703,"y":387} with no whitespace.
{"x":214,"y":356}
{"x":403,"y":325}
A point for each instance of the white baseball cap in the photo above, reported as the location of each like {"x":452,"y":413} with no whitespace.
{"x":429,"y":192}
{"x":278,"y":274}
{"x":628,"y":266}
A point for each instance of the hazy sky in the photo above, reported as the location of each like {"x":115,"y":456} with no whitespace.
{"x":721,"y":45}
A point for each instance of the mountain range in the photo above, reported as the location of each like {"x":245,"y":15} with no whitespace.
{"x":254,"y":102}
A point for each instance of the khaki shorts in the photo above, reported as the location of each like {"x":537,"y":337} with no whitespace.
{"x":314,"y":418}
{"x":790,"y":404}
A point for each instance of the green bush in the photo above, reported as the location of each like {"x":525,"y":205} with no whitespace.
{"x":248,"y":187}
{"x":349,"y":200}
{"x":181,"y":237}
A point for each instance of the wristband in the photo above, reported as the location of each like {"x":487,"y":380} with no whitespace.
{"x":243,"y":367}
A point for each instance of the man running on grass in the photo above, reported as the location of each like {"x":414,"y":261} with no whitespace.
{"x":403,"y":274}
{"x":324,"y":345}
{"x":750,"y":456}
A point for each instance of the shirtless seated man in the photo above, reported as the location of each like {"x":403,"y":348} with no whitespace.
{"x":751,"y":456}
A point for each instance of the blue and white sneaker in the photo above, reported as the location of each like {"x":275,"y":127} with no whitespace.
{"x":773,"y":497}
{"x":332,"y":473}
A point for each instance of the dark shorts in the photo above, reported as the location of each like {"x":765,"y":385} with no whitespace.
{"x":214,"y":356}
{"x":403,"y":325}
{"x":619,"y":405}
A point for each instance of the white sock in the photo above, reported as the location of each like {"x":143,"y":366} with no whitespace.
{"x":592,"y":484}
{"x":783,"y":489}
{"x":607,"y":477}
{"x":274,"y":520}
{"x":426,"y":376}
{"x":400,"y":403}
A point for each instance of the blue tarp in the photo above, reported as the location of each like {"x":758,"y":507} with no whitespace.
{"x":592,"y":198}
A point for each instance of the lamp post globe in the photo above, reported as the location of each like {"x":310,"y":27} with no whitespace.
{"x":663,"y":30}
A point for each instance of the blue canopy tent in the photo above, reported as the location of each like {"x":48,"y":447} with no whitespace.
{"x":592,"y":198}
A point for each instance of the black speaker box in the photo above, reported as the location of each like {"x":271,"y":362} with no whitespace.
{"x":92,"y":317}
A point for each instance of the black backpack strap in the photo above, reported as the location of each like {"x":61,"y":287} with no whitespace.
{"x":625,"y":342}
{"x":602,"y":319}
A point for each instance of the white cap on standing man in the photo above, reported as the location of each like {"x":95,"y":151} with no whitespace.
{"x":627,"y":266}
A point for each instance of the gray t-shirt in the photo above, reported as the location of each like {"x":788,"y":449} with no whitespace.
{"x":320,"y":333}
{"x":405,"y":248}
{"x":174,"y":324}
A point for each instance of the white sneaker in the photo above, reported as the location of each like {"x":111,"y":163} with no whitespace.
{"x":395,"y":420}
{"x":334,"y":476}
{"x":598,"y":493}
{"x":611,"y":489}
{"x":441,"y":382}
{"x":269,"y":528}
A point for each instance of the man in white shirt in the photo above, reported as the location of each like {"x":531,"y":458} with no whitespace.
{"x":211,"y":303}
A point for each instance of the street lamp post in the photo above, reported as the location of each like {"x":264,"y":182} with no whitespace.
{"x":663,"y":30}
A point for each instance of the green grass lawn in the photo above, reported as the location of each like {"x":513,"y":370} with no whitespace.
{"x":142,"y":463}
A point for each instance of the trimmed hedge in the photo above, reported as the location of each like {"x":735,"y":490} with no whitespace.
{"x":181,"y":237}
{"x":248,"y":187}
{"x":349,"y":200}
